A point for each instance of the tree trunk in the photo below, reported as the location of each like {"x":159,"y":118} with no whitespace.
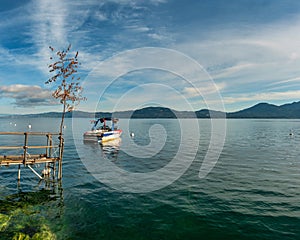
{"x":61,"y":140}
{"x":62,"y":118}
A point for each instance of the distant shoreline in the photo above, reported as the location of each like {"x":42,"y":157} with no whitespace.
{"x":258,"y":111}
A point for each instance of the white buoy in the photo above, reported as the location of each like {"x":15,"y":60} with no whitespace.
{"x":15,"y":124}
{"x":132,"y":134}
{"x":29,"y":126}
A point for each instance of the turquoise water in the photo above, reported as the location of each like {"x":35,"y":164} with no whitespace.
{"x":253,"y":192}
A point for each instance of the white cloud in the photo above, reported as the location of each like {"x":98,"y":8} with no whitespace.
{"x":255,"y":60}
{"x":27,"y":95}
{"x":233,"y":70}
{"x":206,"y":88}
{"x":290,"y":80}
{"x":48,"y":28}
{"x":264,"y":96}
{"x":156,"y":36}
{"x":146,"y":95}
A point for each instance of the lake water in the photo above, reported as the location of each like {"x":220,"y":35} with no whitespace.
{"x":253,"y":191}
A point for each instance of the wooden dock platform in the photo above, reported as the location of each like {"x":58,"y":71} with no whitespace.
{"x":50,"y":154}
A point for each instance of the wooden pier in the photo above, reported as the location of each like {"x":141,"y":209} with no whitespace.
{"x":50,"y":154}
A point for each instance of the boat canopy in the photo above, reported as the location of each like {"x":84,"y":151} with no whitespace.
{"x":103,"y":120}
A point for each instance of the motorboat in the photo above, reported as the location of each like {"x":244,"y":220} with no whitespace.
{"x":103,"y":130}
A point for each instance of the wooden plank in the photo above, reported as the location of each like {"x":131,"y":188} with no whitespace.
{"x":11,"y":147}
{"x":29,"y":133}
{"x":32,"y":147}
{"x":28,"y":161}
{"x":37,"y":147}
{"x":42,"y":133}
{"x":11,"y":133}
{"x":21,"y":156}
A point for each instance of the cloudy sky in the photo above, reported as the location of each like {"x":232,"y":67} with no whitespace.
{"x":134,"y":53}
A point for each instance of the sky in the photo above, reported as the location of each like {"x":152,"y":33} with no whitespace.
{"x":186,"y":55}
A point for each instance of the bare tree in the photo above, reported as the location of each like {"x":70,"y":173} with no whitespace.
{"x":69,"y":90}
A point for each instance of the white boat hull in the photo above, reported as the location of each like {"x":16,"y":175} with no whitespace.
{"x":101,"y":136}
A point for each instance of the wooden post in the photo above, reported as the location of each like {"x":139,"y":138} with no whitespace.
{"x":47,"y":149}
{"x":25,"y":147}
{"x":51,"y":145}
{"x":54,"y":169}
{"x":61,"y":150}
{"x":19,"y":173}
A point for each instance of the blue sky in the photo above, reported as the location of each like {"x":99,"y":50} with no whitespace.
{"x":248,"y":49}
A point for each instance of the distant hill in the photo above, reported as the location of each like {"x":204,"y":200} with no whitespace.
{"x":205,"y":113}
{"x":148,"y":112}
{"x":266,"y":110}
{"x":260,"y":110}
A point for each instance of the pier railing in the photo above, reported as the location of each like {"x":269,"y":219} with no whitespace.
{"x":52,"y":152}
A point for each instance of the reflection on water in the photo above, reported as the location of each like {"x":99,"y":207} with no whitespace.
{"x":108,"y":150}
{"x":111,"y":149}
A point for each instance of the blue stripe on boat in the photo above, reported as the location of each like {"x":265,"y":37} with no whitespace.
{"x":107,"y":134}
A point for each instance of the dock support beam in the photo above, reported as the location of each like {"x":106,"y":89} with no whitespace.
{"x":61,"y":152}
{"x":19,"y":173}
{"x":40,"y":177}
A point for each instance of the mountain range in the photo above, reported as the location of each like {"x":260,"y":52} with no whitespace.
{"x":260,"y":110}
